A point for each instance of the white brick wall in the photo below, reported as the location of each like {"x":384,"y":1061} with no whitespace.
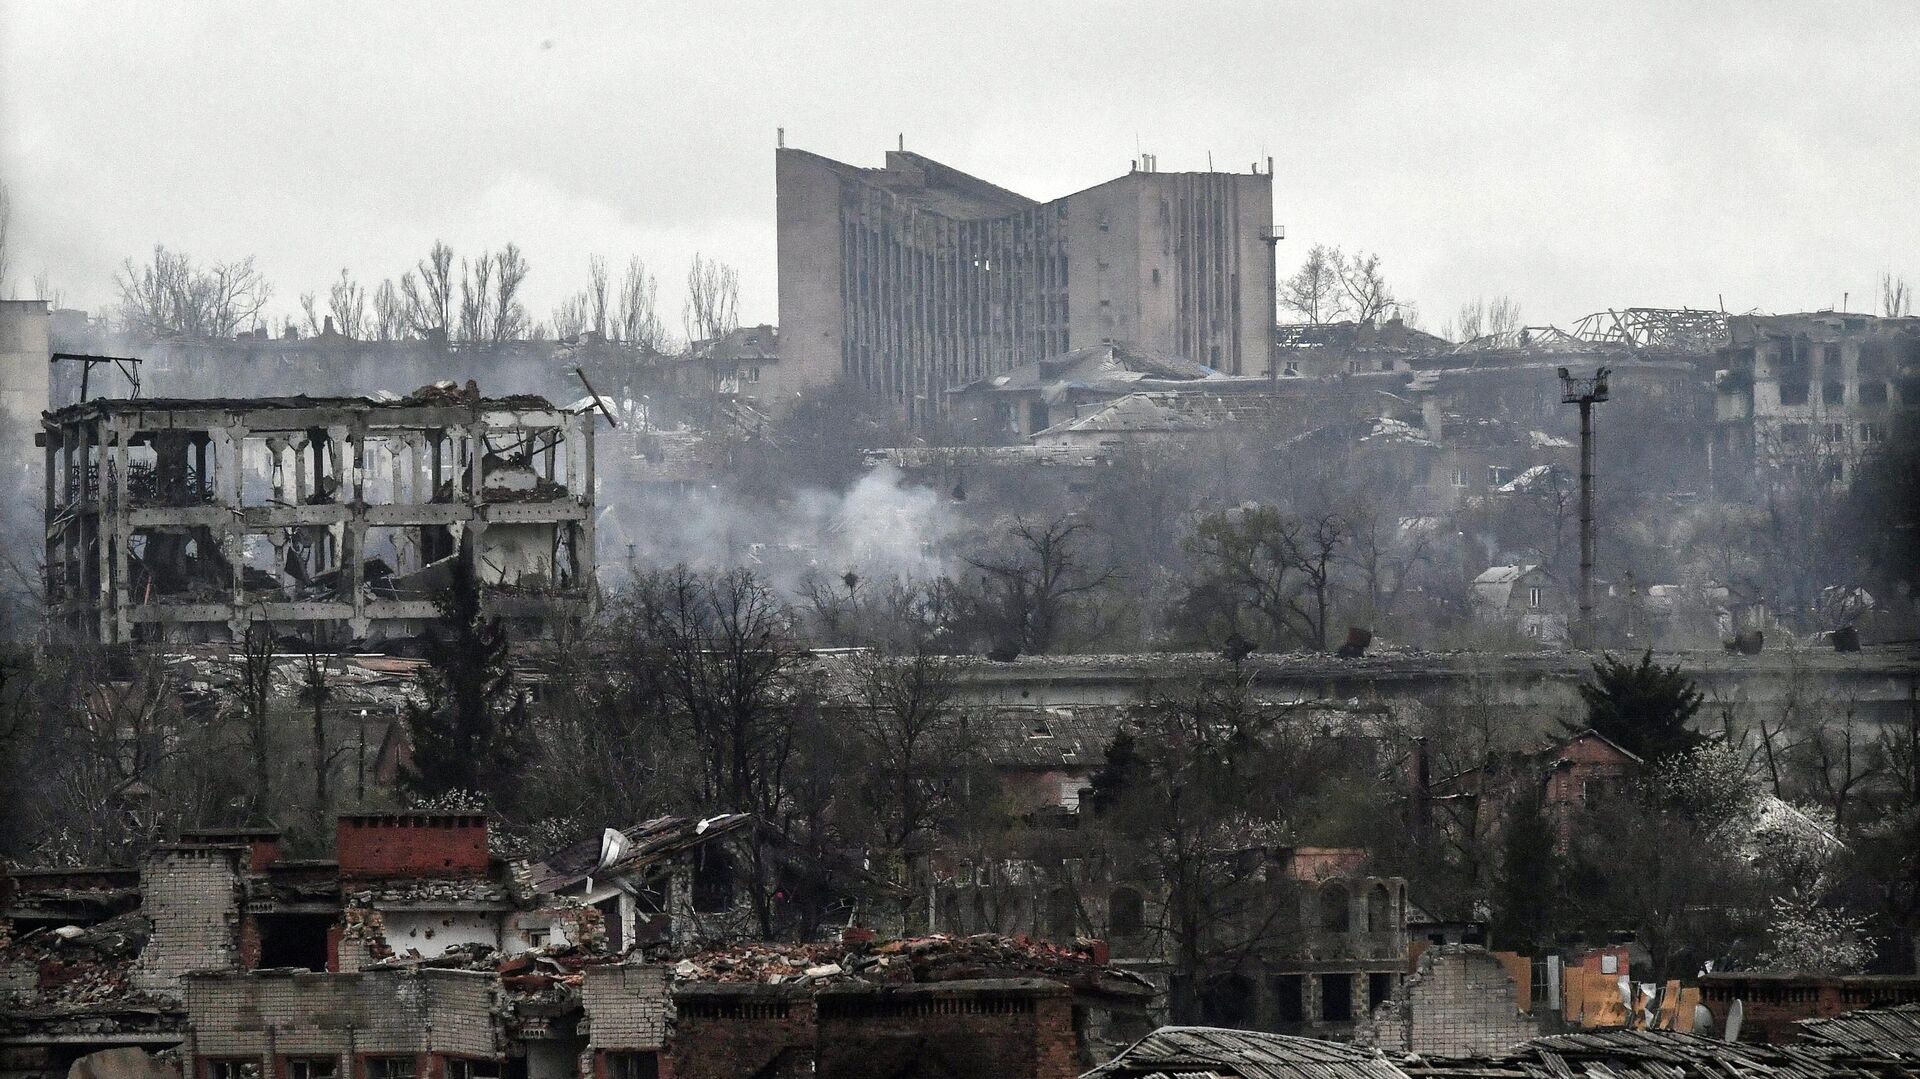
{"x":626,"y":1006}
{"x":1459,"y":1003}
{"x":316,"y":1014}
{"x":193,"y":899}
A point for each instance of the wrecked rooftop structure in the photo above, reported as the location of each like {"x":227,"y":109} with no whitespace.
{"x":186,"y":520}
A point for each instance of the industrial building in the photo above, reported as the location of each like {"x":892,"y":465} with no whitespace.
{"x":186,"y":520}
{"x":916,"y":278}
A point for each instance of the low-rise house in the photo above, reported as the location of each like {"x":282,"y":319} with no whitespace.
{"x":1526,"y":598}
{"x":1028,"y":398}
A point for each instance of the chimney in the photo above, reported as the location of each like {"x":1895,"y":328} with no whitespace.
{"x":327,"y":330}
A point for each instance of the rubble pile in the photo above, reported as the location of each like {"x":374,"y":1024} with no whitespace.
{"x":427,"y":891}
{"x":936,"y":958}
{"x":76,"y":966}
{"x":539,"y":972}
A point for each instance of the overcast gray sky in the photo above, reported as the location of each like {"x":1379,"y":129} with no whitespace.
{"x":1574,"y":157}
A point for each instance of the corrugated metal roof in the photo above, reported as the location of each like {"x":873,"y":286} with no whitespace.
{"x":1882,"y":1031}
{"x":1246,"y":1054}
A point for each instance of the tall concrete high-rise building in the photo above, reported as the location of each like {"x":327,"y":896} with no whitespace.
{"x":915,"y":278}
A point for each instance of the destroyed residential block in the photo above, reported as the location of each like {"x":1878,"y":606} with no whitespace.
{"x":186,"y":520}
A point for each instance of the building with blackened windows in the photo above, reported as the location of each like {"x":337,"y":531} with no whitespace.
{"x":915,"y":278}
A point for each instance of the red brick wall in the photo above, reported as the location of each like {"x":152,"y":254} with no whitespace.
{"x":1770,"y":1006}
{"x":412,"y":845}
{"x":1009,"y":1031}
{"x":726,"y":1036}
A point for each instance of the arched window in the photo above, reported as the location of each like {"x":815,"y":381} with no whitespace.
{"x":1334,"y":916}
{"x":1379,"y":909}
{"x":1126,"y":912}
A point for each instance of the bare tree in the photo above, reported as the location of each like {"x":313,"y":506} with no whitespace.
{"x":173,"y":296}
{"x":253,"y":669}
{"x":1367,"y":293}
{"x":596,"y":295}
{"x":1481,"y":317}
{"x":723,"y":651}
{"x":509,"y":316}
{"x":1896,"y":300}
{"x":904,"y":714}
{"x":389,"y":313}
{"x":347,"y":302}
{"x":713,"y":300}
{"x":1315,"y":291}
{"x":309,"y":308}
{"x":638,"y":321}
{"x":476,"y":298}
{"x":571,"y":318}
{"x":1031,"y":589}
{"x":1472,"y":321}
{"x":429,"y":296}
{"x":1503,"y":315}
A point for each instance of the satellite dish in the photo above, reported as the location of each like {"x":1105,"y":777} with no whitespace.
{"x":1702,"y":1019}
{"x":613,"y":847}
{"x":1734,"y":1015}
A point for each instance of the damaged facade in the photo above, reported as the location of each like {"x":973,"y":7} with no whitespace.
{"x":185,"y":520}
{"x":1812,"y":392}
{"x":915,"y":278}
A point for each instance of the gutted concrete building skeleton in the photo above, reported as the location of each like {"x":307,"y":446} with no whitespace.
{"x":181,"y":520}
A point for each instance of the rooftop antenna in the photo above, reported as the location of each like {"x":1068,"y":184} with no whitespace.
{"x":780,"y":137}
{"x":903,"y":141}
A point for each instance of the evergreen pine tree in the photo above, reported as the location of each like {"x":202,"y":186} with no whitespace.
{"x":470,"y":730}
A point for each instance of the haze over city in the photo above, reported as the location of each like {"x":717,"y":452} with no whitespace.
{"x":1574,"y":157}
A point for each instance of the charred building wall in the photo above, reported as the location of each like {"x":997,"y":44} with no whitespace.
{"x":182,"y":520}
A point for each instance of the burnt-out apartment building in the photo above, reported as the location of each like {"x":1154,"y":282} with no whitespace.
{"x":187,"y":520}
{"x":1811,"y":392}
{"x":915,"y":278}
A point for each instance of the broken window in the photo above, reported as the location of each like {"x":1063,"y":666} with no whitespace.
{"x":610,"y":918}
{"x":1334,"y":915}
{"x":1379,"y":910}
{"x":1833,"y":432}
{"x":313,"y":1068}
{"x":472,"y":1069}
{"x":1379,"y":989}
{"x":1793,"y":433}
{"x":643,"y":1065}
{"x":1126,"y":912}
{"x":1290,"y":998}
{"x":234,"y":1068}
{"x":1833,"y":392}
{"x":1336,"y":998}
{"x":294,"y":940}
{"x":1062,"y":915}
{"x":1873,"y":432}
{"x":1873,"y":393}
{"x":712,"y":880}
{"x":1793,"y":392}
{"x":390,"y":1068}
